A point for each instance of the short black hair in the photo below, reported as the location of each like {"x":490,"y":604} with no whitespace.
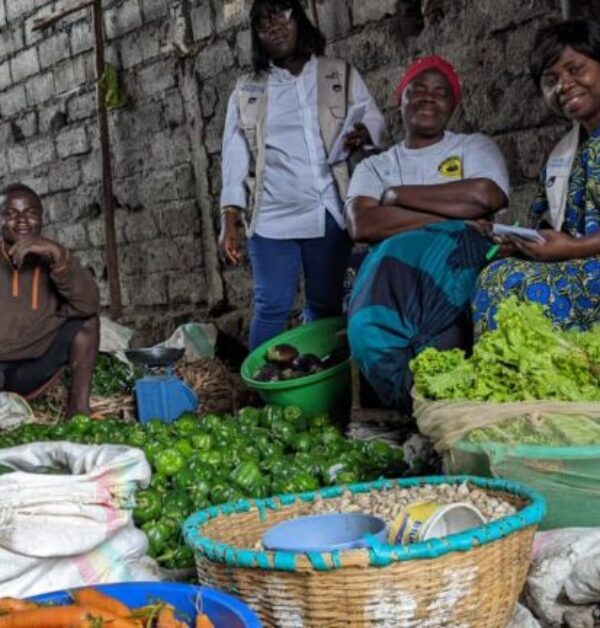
{"x":310,"y":39}
{"x":19,"y":188}
{"x":583,"y":35}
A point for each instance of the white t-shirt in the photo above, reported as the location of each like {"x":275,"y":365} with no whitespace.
{"x":457,"y":156}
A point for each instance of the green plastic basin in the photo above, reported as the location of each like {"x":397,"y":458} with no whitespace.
{"x":327,"y":391}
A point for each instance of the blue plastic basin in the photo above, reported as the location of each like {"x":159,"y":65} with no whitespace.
{"x":222,"y":609}
{"x":325,"y":533}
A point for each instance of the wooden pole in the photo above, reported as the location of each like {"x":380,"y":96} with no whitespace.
{"x":112,"y":260}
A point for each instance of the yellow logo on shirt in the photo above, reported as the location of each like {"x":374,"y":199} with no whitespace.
{"x":451,"y":168}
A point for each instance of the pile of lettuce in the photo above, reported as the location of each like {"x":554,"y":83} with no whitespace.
{"x":525,"y":358}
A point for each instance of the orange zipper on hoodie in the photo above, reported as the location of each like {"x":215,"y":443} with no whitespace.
{"x":15,"y":284}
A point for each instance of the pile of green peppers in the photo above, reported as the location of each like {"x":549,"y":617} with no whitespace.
{"x":212,"y":459}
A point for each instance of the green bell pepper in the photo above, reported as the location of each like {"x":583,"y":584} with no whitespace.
{"x":212,"y":422}
{"x":247,"y":476}
{"x":203,"y":440}
{"x":249,"y":416}
{"x":176,"y":499}
{"x":169,"y":462}
{"x":210,"y":457}
{"x":148,"y":506}
{"x":283,"y":432}
{"x":295,"y":416}
{"x":184,"y":447}
{"x":187,"y":424}
{"x":159,"y":483}
{"x":302,"y":442}
{"x":270,"y":415}
{"x":158,"y":534}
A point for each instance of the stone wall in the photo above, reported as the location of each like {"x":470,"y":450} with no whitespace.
{"x":178,"y":60}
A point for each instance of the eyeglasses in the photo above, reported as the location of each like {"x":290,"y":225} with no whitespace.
{"x":279,"y":17}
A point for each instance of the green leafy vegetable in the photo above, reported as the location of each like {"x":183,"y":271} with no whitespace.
{"x":524,"y":359}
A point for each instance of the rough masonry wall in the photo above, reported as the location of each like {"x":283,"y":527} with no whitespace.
{"x":178,"y":60}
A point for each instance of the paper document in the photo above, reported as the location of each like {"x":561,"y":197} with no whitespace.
{"x":520,"y":232}
{"x":338,"y":151}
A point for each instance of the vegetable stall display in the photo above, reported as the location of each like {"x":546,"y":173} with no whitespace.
{"x":524,"y":407}
{"x":214,"y":459}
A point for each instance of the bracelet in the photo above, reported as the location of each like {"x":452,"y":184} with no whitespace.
{"x":230,"y":210}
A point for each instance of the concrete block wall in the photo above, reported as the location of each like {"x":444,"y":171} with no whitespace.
{"x":178,"y":61}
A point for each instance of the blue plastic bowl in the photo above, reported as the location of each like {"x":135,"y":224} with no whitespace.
{"x":325,"y":533}
{"x":222,"y":609}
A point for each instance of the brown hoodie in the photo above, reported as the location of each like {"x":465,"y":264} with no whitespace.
{"x":37,"y":299}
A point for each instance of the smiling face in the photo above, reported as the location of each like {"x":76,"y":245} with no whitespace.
{"x":571,"y":87}
{"x":277,"y":31}
{"x":21,"y":216}
{"x":427,"y":104}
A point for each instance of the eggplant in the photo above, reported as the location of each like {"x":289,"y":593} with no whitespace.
{"x":283,"y":354}
{"x":333,"y":358}
{"x":307,"y":364}
{"x":289,"y":373}
{"x":267,"y":373}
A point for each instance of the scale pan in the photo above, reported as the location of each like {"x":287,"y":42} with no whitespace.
{"x":154,"y":356}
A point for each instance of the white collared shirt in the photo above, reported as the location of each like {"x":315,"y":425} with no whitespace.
{"x":298,"y":185}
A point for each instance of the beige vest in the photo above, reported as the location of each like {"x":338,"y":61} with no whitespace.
{"x":558,"y":171}
{"x":333,"y":96}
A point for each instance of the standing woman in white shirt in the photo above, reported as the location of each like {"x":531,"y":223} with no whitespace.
{"x":279,"y":143}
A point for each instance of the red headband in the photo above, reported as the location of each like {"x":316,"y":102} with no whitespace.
{"x":432,"y":62}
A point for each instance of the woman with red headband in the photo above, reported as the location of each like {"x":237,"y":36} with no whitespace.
{"x":415,"y":205}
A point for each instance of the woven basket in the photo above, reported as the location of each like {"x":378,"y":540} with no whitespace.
{"x":472,"y":579}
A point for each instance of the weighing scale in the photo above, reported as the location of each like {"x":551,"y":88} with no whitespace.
{"x":159,"y":393}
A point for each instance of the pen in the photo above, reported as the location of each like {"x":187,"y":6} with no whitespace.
{"x":493,"y":250}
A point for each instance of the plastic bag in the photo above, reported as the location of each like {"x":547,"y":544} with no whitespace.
{"x":14,"y":411}
{"x":66,"y":516}
{"x":198,"y":340}
{"x":447,"y":422}
{"x":500,"y":440}
{"x":114,"y":338}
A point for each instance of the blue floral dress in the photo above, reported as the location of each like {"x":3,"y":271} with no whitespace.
{"x":569,"y":291}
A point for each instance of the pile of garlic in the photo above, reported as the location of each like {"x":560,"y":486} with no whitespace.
{"x":388,"y":504}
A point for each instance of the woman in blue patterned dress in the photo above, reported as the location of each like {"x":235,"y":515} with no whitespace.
{"x":562,"y":274}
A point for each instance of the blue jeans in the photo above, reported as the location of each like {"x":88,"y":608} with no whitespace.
{"x":276,"y":268}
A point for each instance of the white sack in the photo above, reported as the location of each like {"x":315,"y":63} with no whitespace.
{"x":583,"y":584}
{"x":555,"y":555}
{"x":522,"y":618}
{"x":73,"y":529}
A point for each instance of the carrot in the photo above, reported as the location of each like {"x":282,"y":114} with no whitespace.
{"x":92,"y":597}
{"x":202,"y":621}
{"x":14,"y":605}
{"x":166,"y":618}
{"x":72,"y":616}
